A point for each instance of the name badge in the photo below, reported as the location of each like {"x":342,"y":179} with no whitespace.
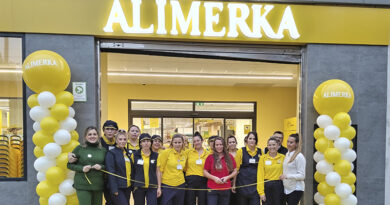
{"x":140,"y":162}
{"x":252,"y":161}
{"x":127,"y":159}
{"x":111,"y":147}
{"x":199,"y":162}
{"x":130,"y":151}
{"x":152,"y":161}
{"x":89,"y":155}
{"x":268,"y":162}
{"x":179,"y":167}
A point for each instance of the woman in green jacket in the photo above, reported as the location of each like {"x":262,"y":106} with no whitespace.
{"x":88,"y":180}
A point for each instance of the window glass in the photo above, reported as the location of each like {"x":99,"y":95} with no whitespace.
{"x":224,"y":107}
{"x":238,"y":128}
{"x":11,"y":109}
{"x":161,"y":105}
{"x":177,"y":125}
{"x":151,"y":126}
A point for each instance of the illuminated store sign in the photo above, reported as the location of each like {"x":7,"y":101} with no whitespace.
{"x":203,"y":19}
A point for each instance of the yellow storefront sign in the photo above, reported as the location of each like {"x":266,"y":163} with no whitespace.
{"x":200,"y":21}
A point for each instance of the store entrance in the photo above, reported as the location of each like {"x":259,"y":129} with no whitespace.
{"x":216,"y":89}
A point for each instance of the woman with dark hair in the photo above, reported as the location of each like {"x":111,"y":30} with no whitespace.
{"x":247,"y":160}
{"x":144,"y":172}
{"x":194,"y":172}
{"x":133,"y":134}
{"x":232,"y":145}
{"x":219,"y":168}
{"x":118,"y":162}
{"x":89,"y":180}
{"x":269,"y":187}
{"x":157,"y":144}
{"x":294,"y":166}
{"x":170,"y":165}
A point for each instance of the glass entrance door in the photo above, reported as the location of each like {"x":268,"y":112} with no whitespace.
{"x":238,"y":128}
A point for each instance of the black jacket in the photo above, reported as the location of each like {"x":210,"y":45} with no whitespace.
{"x":138,"y":170}
{"x":115,"y":163}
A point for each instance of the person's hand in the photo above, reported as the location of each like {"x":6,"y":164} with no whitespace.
{"x":283,"y":177}
{"x":86,"y":168}
{"x":234,"y":189}
{"x":224,"y":179}
{"x":158,"y":192}
{"x":262,"y":197}
{"x":218,"y":180}
{"x":116,"y":193}
{"x":71,"y":157}
{"x":97,"y":167}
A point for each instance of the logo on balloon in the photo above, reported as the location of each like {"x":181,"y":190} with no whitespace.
{"x":45,"y":70}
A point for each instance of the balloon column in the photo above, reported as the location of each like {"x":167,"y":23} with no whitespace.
{"x":332,"y":100}
{"x":48,"y":74}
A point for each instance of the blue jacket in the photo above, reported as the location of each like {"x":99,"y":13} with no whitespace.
{"x":115,"y":163}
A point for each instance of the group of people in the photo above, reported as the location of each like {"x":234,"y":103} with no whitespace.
{"x":122,"y":163}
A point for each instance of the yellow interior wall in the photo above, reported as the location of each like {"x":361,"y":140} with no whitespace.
{"x":11,"y":89}
{"x":273,"y":104}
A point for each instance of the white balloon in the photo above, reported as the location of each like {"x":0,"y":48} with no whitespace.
{"x":46,"y":99}
{"x":324,"y":121}
{"x":37,"y":113}
{"x":71,"y":112}
{"x":324,"y":167}
{"x":318,"y":198}
{"x":52,"y":150}
{"x":70,"y":175}
{"x":42,"y":164}
{"x":343,"y":190}
{"x":41,"y":176}
{"x":332,"y":132}
{"x":62,"y":137}
{"x":66,"y":187}
{"x":333,"y":178}
{"x":352,"y":167}
{"x":342,"y":144}
{"x":68,"y":124}
{"x":350,"y":200}
{"x":318,"y":156}
{"x":349,"y":155}
{"x":37,"y":126}
{"x":57,"y":199}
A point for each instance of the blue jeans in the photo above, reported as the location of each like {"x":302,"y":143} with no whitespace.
{"x":215,"y":197}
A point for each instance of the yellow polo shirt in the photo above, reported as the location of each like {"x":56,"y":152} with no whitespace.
{"x":128,"y":169}
{"x":238,"y":157}
{"x":130,"y":146}
{"x":146,"y":159}
{"x":171,"y":164}
{"x":269,"y":169}
{"x":195,"y":163}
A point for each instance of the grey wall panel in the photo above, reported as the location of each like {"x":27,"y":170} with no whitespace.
{"x":79,"y":52}
{"x":365,"y":69}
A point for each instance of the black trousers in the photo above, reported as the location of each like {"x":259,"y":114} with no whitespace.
{"x":218,"y":197}
{"x":273,"y":192}
{"x":107,"y":196}
{"x":234,"y":198}
{"x":172,"y":196}
{"x":249,"y":200}
{"x":196,"y":182}
{"x":123,"y":197}
{"x":140,"y":194}
{"x":294,"y":197}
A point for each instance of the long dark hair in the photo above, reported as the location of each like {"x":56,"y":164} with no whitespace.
{"x":217,"y":160}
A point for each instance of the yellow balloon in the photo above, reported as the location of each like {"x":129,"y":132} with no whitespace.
{"x":45,"y":189}
{"x":65,"y":98}
{"x":72,"y":200}
{"x":348,"y":133}
{"x":55,"y":175}
{"x":32,"y":101}
{"x":350,"y":144}
{"x":324,"y":189}
{"x":332,"y":199}
{"x":343,"y":167}
{"x":50,"y":124}
{"x":70,"y":146}
{"x":353,"y":188}
{"x":322,"y":144}
{"x":318,"y":133}
{"x":41,"y":138}
{"x":59,"y":111}
{"x":332,"y":155}
{"x":43,"y":201}
{"x":333,"y":96}
{"x":45,"y":70}
{"x":38,"y":152}
{"x":350,"y":178}
{"x":341,"y":120}
{"x":75,"y":135}
{"x":319,"y":177}
{"x":62,"y":161}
